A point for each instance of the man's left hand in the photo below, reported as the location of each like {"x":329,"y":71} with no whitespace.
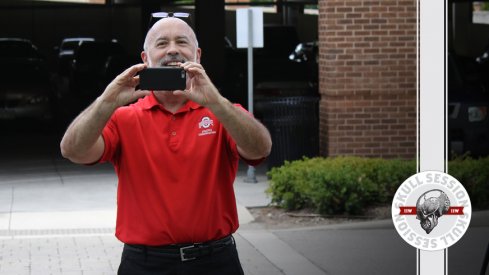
{"x":201,"y":90}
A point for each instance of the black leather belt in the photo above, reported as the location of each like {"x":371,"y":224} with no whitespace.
{"x":185,"y":252}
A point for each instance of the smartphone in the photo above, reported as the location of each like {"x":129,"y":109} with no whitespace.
{"x":163,"y":78}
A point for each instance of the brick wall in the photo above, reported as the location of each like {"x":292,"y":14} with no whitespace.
{"x":367,"y":80}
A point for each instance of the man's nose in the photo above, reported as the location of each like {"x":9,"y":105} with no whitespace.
{"x":173,"y":49}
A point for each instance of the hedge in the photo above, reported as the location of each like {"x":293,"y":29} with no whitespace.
{"x":474,"y":175}
{"x":348,"y":185}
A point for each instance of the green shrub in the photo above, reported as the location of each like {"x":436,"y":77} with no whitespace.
{"x":474,"y":175}
{"x":347,"y":185}
{"x":337,"y":185}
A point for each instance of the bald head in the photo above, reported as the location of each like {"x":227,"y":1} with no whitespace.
{"x":169,"y":24}
{"x":169,"y":41}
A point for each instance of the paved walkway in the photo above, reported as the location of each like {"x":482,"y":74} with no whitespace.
{"x":58,"y":218}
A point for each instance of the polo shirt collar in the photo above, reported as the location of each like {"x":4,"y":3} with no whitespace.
{"x":150,"y":101}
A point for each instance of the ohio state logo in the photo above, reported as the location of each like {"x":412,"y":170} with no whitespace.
{"x":206,"y":122}
{"x":431,"y":210}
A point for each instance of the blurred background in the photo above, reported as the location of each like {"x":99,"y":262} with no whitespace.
{"x":58,"y":56}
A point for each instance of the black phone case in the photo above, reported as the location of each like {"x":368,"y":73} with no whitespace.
{"x":162,"y":78}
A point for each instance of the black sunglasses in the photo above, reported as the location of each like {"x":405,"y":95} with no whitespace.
{"x":155,"y":16}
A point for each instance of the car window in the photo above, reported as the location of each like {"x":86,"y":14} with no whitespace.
{"x":70,"y":45}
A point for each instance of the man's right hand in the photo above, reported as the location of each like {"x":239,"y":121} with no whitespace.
{"x":83,"y":142}
{"x":121,"y":91}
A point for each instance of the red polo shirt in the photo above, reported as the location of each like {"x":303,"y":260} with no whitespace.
{"x":176,"y":174}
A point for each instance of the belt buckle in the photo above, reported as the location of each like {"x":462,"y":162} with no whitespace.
{"x":182,"y":253}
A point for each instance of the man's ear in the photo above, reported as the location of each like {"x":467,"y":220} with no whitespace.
{"x":198,"y":54}
{"x":144,"y":57}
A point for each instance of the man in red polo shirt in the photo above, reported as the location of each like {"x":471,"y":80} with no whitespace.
{"x":176,"y":156}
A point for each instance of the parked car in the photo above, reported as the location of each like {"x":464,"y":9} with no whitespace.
{"x":272,"y":62}
{"x":66,"y":52}
{"x":305,"y":52}
{"x":25,"y":90}
{"x":468,"y":123}
{"x":95,"y":64}
{"x":468,"y":104}
{"x":308,"y":53}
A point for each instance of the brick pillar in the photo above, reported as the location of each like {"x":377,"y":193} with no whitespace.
{"x":367,"y":82}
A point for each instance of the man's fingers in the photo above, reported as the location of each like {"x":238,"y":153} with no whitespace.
{"x":133,"y":70}
{"x":129,"y":76}
{"x":135,"y":80}
{"x":180,"y":92}
{"x":196,"y":70}
{"x":191,"y":66}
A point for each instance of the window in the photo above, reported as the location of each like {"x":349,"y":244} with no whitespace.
{"x":480,"y":12}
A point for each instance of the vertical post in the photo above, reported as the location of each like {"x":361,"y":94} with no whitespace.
{"x":431,"y":103}
{"x":250,"y":174}
{"x":250,"y":60}
{"x":147,"y":7}
{"x":209,"y":27}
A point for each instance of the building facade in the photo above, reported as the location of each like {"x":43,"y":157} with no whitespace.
{"x":368,"y":78}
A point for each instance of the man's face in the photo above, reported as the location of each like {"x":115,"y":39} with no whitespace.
{"x":170,"y":41}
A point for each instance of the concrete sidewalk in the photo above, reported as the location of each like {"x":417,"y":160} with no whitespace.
{"x":58,"y":218}
{"x":47,"y":194}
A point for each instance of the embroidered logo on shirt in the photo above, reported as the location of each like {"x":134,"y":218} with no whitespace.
{"x":204,"y":124}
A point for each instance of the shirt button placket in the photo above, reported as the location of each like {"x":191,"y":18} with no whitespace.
{"x":173,"y":133}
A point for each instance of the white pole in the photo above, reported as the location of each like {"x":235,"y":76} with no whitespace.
{"x":250,"y":175}
{"x":250,"y":60}
{"x":431,"y":100}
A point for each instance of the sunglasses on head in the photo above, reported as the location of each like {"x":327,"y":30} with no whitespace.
{"x":163,"y":14}
{"x":155,"y":16}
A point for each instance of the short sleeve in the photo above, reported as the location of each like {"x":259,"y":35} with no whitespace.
{"x":110,"y":134}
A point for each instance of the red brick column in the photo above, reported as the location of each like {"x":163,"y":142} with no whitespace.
{"x":367,"y":82}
